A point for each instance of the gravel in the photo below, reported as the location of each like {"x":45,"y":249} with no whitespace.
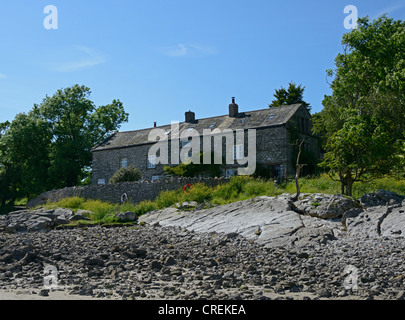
{"x":155,"y":262}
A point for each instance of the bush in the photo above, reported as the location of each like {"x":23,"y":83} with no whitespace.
{"x":73,"y":203}
{"x":199,"y":192}
{"x":189,"y":169}
{"x":126,"y":174}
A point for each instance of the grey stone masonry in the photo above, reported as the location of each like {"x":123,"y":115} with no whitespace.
{"x":135,"y":191}
{"x":277,"y":129}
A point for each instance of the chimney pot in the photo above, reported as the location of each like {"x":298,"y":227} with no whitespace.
{"x":154,"y":124}
{"x":190,"y":116}
{"x":233,"y":108}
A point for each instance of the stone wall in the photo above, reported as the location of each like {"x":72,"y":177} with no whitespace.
{"x":136,"y":191}
{"x":271,"y":149}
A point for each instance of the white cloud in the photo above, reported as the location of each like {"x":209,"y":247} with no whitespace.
{"x":181,"y":50}
{"x":390,"y":9}
{"x":87,"y":57}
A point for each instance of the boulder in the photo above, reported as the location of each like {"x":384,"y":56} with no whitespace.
{"x":39,"y":225}
{"x":380,"y":198}
{"x":126,"y":216}
{"x":80,"y":215}
{"x":324,"y":206}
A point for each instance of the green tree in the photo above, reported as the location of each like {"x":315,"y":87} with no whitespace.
{"x":26,"y":146}
{"x":190,"y":169}
{"x":362,"y":124}
{"x":77,"y":125}
{"x":8,"y":172}
{"x":50,"y":147}
{"x":126,"y":174}
{"x":292,"y":95}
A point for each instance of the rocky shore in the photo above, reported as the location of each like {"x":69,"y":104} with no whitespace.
{"x":226,"y":252}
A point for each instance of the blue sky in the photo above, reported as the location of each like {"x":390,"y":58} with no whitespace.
{"x":164,"y":57}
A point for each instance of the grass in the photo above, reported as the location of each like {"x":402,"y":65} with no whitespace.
{"x":237,"y":189}
{"x":101,"y":211}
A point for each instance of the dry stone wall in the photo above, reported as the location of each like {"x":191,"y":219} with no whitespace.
{"x":135,"y":191}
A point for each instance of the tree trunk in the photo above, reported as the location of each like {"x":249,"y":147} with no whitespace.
{"x":297,"y":175}
{"x":349,"y":187}
{"x":297,"y":171}
{"x":342,"y":187}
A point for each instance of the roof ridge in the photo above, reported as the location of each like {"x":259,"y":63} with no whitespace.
{"x":220,"y":116}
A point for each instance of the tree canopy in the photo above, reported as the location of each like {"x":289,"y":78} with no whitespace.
{"x":292,"y":95}
{"x":362,"y":124}
{"x":50,"y":146}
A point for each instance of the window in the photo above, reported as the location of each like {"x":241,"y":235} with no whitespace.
{"x":187,"y":143}
{"x":124,"y":163}
{"x":151,"y":162}
{"x":101,"y":181}
{"x":238,"y":151}
{"x":230,"y":173}
{"x":271,"y":116}
{"x":276,"y":171}
{"x":154,"y":178}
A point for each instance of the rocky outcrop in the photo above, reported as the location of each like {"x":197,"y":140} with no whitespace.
{"x":278,"y":221}
{"x":270,"y":221}
{"x":154,"y":262}
{"x":262,"y":248}
{"x":39,"y":220}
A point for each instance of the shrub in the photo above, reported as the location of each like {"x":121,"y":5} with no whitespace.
{"x":169,"y":198}
{"x":189,"y":169}
{"x":102,"y":211}
{"x":126,"y":174}
{"x":198,"y":192}
{"x":73,"y":203}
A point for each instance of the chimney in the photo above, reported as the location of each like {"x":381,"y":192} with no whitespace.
{"x":154,"y":124}
{"x":233,"y":108}
{"x":190,"y":116}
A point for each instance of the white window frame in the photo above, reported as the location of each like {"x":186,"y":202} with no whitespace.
{"x":124,"y":163}
{"x":238,"y":151}
{"x":185,"y":143}
{"x":151,"y":162}
{"x":231,"y":172}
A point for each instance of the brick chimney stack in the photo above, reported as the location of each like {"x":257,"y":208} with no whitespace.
{"x":233,"y":108}
{"x":190,"y":116}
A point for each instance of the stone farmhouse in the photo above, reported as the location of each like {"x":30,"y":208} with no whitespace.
{"x":276,"y":129}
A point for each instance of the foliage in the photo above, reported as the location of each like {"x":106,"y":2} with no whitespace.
{"x":190,"y":169}
{"x":125,"y":174}
{"x":237,"y":189}
{"x":76,"y":126}
{"x":362,"y":125}
{"x":292,"y":95}
{"x":50,"y":146}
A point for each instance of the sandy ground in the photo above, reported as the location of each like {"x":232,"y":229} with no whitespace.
{"x":60,"y":294}
{"x":25,"y":294}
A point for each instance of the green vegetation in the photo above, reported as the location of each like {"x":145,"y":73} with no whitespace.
{"x":292,"y":95}
{"x":126,"y":174}
{"x":190,"y":169}
{"x":50,"y":146}
{"x":362,"y":124}
{"x":361,"y":128}
{"x":237,"y":189}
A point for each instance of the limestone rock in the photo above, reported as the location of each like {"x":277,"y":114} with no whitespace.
{"x":126,"y":216}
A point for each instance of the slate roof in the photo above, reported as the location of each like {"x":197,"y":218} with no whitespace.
{"x":255,"y":119}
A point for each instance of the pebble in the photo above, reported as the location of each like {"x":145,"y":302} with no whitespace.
{"x":153,"y":262}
